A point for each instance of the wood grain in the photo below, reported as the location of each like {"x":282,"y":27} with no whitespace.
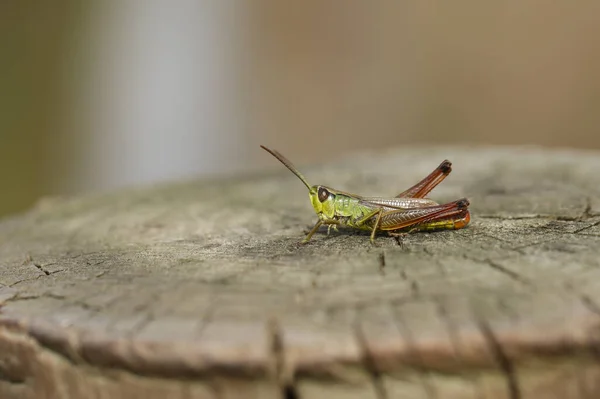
{"x":201,"y":289}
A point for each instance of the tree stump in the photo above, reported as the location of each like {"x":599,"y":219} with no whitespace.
{"x":202,"y":290}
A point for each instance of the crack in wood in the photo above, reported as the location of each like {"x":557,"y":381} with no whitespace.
{"x":87,"y":306}
{"x":148,"y":317}
{"x":586,"y":227}
{"x":400,"y":240}
{"x":594,"y":342}
{"x":413,"y":352}
{"x":284,"y":377}
{"x":26,"y":280}
{"x":516,"y":217}
{"x":593,"y":345}
{"x":414,"y":288}
{"x":586,"y":213}
{"x":366,"y":359}
{"x":40,"y":268}
{"x":456,"y":342}
{"x":493,"y":237}
{"x":207,"y":317}
{"x":439,"y":265}
{"x":381,"y":258}
{"x":450,"y":325}
{"x":590,"y":304}
{"x":26,"y":297}
{"x":588,"y":208}
{"x":507,"y":272}
{"x":504,"y":363}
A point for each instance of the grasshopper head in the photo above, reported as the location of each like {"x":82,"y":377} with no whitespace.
{"x":322,"y":199}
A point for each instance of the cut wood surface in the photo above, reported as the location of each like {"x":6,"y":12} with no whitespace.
{"x":202,"y":290}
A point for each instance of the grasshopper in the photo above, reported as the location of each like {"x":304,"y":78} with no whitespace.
{"x":405,"y":213}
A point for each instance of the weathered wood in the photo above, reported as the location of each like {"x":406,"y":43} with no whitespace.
{"x":201,"y":290}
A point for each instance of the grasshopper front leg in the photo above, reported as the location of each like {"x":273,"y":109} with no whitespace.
{"x":313,"y":231}
{"x":330,"y":224}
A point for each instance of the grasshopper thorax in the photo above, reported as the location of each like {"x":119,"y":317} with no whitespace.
{"x":323,"y":200}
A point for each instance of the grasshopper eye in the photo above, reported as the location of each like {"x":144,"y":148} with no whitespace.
{"x":323,"y":194}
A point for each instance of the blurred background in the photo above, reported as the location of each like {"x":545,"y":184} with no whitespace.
{"x":100,"y":95}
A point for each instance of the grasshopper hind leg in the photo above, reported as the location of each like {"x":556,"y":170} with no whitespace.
{"x":455,"y":222}
{"x":422,"y":188}
{"x":451,"y":216}
{"x":448,"y":221}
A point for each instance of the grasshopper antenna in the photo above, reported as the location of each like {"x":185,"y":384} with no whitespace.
{"x":287,"y":164}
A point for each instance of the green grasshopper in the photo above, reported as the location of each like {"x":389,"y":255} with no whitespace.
{"x":407,"y":212}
